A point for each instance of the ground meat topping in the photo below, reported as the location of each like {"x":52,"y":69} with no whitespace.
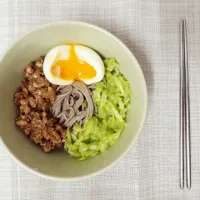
{"x":33,"y":100}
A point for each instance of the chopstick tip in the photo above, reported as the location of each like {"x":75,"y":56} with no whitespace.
{"x":182,"y":20}
{"x":181,"y":184}
{"x":189,"y":186}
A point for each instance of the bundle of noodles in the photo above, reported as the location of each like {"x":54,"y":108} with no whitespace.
{"x":73,"y":104}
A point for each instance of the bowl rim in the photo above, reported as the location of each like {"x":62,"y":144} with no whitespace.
{"x":82,"y":23}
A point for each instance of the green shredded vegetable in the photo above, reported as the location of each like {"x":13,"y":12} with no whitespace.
{"x":112,"y":98}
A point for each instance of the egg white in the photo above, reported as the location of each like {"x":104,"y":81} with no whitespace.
{"x":83,"y":53}
{"x":91,"y":57}
{"x":61,"y":52}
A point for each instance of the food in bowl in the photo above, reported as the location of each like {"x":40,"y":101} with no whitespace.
{"x":72,"y":99}
{"x":33,"y":100}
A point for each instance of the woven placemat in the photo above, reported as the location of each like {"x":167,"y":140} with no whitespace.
{"x":150,"y":30}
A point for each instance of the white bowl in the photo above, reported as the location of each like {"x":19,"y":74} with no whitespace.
{"x":59,"y":165}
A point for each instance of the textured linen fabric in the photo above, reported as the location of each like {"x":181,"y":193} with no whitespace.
{"x":150,"y":29}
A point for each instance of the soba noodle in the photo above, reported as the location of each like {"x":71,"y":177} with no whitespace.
{"x":73,"y":104}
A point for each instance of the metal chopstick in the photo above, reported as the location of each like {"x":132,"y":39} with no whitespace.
{"x":185,"y":145}
{"x":187,"y":111}
{"x":182,"y":108}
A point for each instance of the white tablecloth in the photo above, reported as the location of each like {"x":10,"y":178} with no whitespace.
{"x":150,"y":29}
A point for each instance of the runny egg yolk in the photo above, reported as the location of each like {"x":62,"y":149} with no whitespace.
{"x":73,"y":68}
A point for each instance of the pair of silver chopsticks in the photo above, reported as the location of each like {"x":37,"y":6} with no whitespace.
{"x":185,"y":146}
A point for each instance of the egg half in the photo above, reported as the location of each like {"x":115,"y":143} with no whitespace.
{"x":66,"y":63}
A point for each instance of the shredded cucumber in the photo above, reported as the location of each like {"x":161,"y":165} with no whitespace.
{"x":112,"y":98}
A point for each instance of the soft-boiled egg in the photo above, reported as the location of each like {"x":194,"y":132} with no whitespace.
{"x":66,"y":63}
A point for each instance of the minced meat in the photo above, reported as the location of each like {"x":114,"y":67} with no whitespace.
{"x":33,"y":100}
